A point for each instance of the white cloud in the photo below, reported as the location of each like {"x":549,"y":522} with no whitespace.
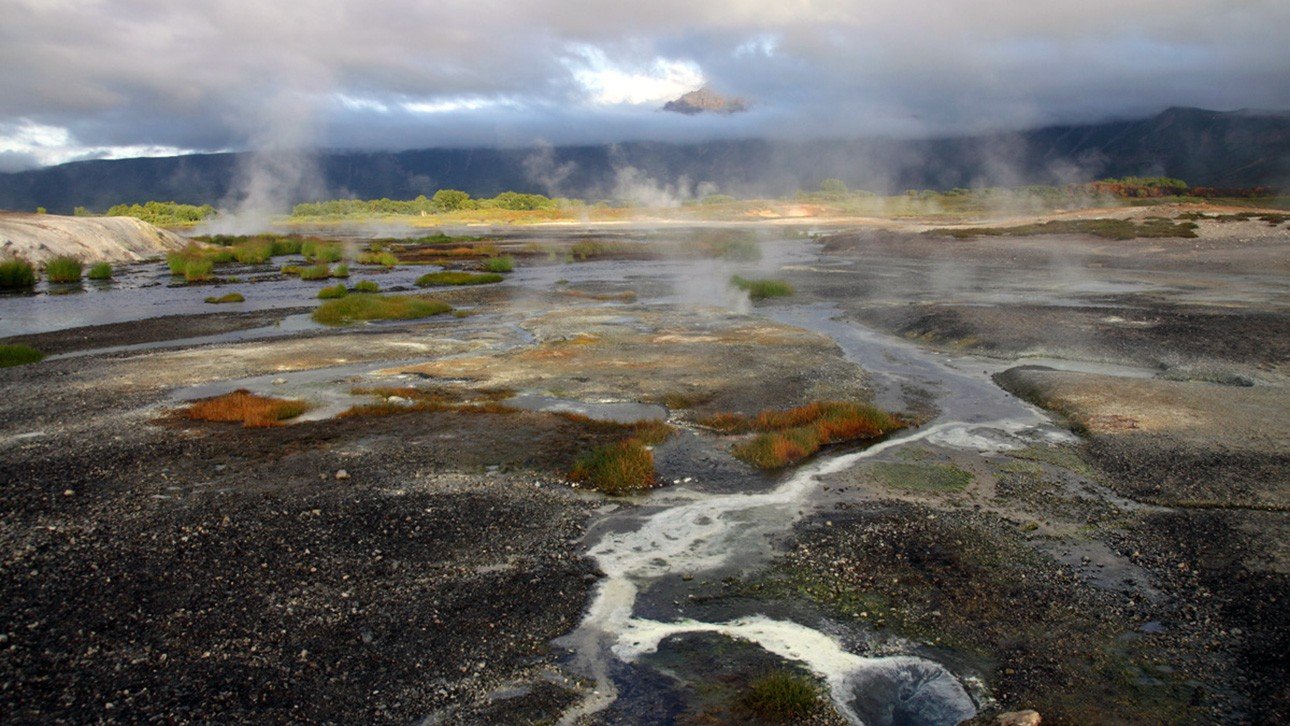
{"x":607,"y":82}
{"x":764,"y":45}
{"x":46,"y":145}
{"x":452,"y":105}
{"x":352,"y":103}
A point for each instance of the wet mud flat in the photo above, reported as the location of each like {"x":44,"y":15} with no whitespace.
{"x":1099,"y":537}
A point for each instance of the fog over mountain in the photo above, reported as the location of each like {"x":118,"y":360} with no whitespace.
{"x":1202,"y":147}
{"x":126,"y":78}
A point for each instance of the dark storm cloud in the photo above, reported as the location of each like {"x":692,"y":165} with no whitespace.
{"x":115,"y":77}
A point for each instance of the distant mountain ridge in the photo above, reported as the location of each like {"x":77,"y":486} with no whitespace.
{"x":1204,"y":148}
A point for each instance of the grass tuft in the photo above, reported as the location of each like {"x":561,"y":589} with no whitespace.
{"x":322,"y":252}
{"x":254,"y":411}
{"x":253,"y":252}
{"x":198,"y":269}
{"x":18,"y":355}
{"x":315,"y":272}
{"x":762,"y":289}
{"x":786,"y":437}
{"x":449,"y":277}
{"x":332,"y":292}
{"x":382,"y":258}
{"x":100,"y":271}
{"x":16,"y":274}
{"x":232,"y":297}
{"x":357,"y":308}
{"x":782,"y":697}
{"x":64,"y":269}
{"x":615,"y":469}
{"x":367,"y":286}
{"x":500,"y":264}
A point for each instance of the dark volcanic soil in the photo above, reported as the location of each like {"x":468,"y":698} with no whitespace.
{"x":232,"y":572}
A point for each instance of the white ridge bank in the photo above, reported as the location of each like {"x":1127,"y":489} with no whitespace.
{"x":38,"y":238}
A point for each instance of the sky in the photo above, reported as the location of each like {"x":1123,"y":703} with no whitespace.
{"x":119,"y":78}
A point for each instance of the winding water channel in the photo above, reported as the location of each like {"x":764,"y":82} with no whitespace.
{"x":703,"y":533}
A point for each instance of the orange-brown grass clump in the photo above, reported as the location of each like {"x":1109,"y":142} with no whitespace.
{"x":619,"y":468}
{"x":624,"y":466}
{"x":787,"y":437}
{"x":252,"y":410}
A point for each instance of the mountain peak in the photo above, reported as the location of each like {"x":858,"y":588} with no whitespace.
{"x":706,"y":100}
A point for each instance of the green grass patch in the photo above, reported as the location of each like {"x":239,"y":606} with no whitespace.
{"x":325,"y":252}
{"x":315,"y":272}
{"x":782,"y":697}
{"x":382,"y":258}
{"x":16,"y":274}
{"x":367,"y":286}
{"x":100,"y":271}
{"x":1117,"y":229}
{"x":341,"y":271}
{"x":359,"y":308}
{"x":18,"y":355}
{"x":253,"y":252}
{"x":198,"y":269}
{"x":331,"y":292}
{"x":451,"y":277}
{"x":762,"y":289}
{"x":64,"y":269}
{"x":922,"y":477}
{"x":506,"y":263}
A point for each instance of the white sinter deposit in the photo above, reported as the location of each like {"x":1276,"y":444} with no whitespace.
{"x":38,"y":238}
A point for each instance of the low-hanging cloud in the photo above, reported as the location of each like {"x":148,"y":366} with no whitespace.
{"x":150,"y":74}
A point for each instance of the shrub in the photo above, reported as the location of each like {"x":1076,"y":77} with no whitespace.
{"x":618,"y":468}
{"x":448,"y":277}
{"x":100,"y":271}
{"x":356,"y":308}
{"x":254,"y":411}
{"x":232,"y":297}
{"x":782,"y":697}
{"x":64,"y":269}
{"x":332,"y":292}
{"x":16,"y":274}
{"x":762,"y":289}
{"x":315,"y":272}
{"x":385,"y":259}
{"x":500,"y":264}
{"x":18,"y":355}
{"x":366,"y":286}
